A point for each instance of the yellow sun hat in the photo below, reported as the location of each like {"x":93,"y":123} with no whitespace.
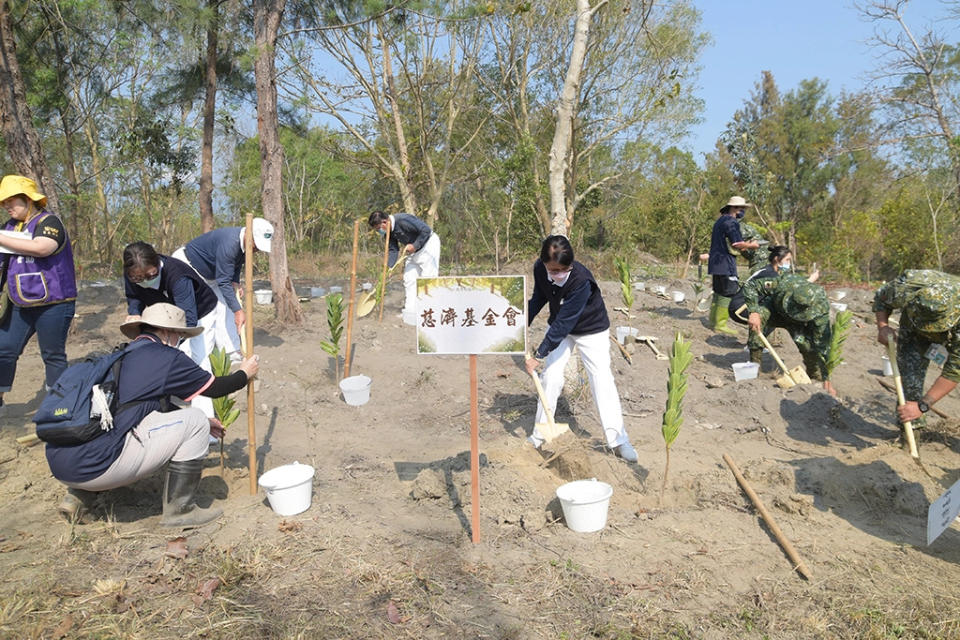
{"x":13,"y":185}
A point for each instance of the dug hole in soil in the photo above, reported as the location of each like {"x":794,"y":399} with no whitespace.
{"x":385,"y":549}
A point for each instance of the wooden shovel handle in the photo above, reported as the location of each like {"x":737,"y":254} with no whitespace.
{"x":543,"y":397}
{"x":776,"y":358}
{"x":901,"y":399}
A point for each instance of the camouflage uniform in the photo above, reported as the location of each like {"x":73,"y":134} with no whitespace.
{"x":930,"y":313}
{"x":755,"y":257}
{"x":791,"y":302}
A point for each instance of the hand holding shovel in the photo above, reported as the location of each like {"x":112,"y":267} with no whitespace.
{"x":901,"y":399}
{"x":550,"y":429}
{"x":790,"y":377}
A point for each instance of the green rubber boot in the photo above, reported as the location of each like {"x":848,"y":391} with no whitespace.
{"x":756,"y":355}
{"x":721,"y":315}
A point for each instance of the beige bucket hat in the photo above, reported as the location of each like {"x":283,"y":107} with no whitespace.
{"x":163,"y":316}
{"x":735,"y":201}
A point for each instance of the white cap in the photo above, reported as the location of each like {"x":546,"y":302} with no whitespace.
{"x":262,"y":234}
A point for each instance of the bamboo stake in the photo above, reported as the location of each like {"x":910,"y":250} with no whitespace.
{"x":798,"y":563}
{"x":28,"y":440}
{"x":248,"y":329}
{"x":901,"y":400}
{"x":383,"y":278}
{"x":474,"y":452}
{"x":353,"y":295}
{"x":622,"y":349}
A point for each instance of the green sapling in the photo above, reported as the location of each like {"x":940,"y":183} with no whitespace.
{"x":335,"y":324}
{"x":680,"y":358}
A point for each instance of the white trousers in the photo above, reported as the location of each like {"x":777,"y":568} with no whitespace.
{"x":595,"y":354}
{"x":422,"y":264}
{"x":178,"y":435}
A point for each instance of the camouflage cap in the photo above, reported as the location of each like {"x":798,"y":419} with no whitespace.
{"x":935,"y":308}
{"x":801,"y":300}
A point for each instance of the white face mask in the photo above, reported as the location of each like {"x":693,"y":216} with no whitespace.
{"x":559,"y":279}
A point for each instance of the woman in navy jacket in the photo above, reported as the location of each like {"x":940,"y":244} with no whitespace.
{"x":578,"y":318}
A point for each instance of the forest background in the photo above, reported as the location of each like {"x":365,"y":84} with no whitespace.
{"x":495,"y":121}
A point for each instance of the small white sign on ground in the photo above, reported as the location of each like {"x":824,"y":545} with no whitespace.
{"x":943,"y":512}
{"x":471,"y":315}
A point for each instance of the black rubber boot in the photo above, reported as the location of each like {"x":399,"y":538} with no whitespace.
{"x":179,"y":509}
{"x":76,"y":503}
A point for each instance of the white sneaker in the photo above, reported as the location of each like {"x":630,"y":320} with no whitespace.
{"x":626,"y":451}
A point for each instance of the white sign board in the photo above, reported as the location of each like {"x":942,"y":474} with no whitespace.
{"x":471,"y":315}
{"x":23,"y":235}
{"x":943,"y":512}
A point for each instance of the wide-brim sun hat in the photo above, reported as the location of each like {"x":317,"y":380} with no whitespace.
{"x":935,"y":308}
{"x":262,"y":234}
{"x":13,"y":185}
{"x":802,"y":300}
{"x":161,"y":315}
{"x":735,"y":201}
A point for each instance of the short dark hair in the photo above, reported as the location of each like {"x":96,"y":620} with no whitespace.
{"x":556,"y":249}
{"x":141,"y":255}
{"x":777,"y":252}
{"x":376,"y":218}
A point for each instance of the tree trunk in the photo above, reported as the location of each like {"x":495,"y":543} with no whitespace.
{"x":23,"y":143}
{"x":266,"y":22}
{"x":209,"y":111}
{"x":561,"y":218}
{"x":403,"y":156}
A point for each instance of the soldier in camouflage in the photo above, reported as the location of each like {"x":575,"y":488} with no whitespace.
{"x":929,"y":303}
{"x":755,"y":258}
{"x":776,"y":297}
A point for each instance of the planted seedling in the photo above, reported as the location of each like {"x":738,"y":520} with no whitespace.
{"x":335,"y":324}
{"x":623,"y":273}
{"x":224,"y":407}
{"x":841,"y":327}
{"x":680,"y":359}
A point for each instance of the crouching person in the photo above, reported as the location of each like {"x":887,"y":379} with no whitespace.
{"x":146,"y":434}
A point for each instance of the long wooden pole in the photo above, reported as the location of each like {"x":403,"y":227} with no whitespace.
{"x":474,"y":452}
{"x":248,"y":329}
{"x":798,"y":563}
{"x":901,"y":399}
{"x":383,"y":279}
{"x":353,"y":295}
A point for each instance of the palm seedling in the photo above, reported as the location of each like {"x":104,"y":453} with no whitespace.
{"x":623,"y":274}
{"x":841,"y":327}
{"x":335,"y":324}
{"x":680,"y":358}
{"x":224,"y":407}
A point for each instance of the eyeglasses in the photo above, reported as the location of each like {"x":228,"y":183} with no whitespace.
{"x":149,"y":276}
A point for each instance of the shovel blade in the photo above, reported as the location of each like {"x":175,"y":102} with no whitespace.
{"x":784,"y":382}
{"x":550,"y":431}
{"x":799,"y":374}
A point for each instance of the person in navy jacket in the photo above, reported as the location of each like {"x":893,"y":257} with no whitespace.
{"x":417,"y":240}
{"x":578,"y":318}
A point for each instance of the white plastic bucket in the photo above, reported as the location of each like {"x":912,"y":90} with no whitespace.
{"x":839,"y":294}
{"x":367,"y":286}
{"x":887,"y":367}
{"x":839,"y":306}
{"x":661,"y":290}
{"x":745,"y":370}
{"x":678,"y":296}
{"x":317,"y":292}
{"x":585,"y":504}
{"x":623,"y":332}
{"x":289,"y":488}
{"x":263,"y":296}
{"x":639,"y":286}
{"x":356,"y":390}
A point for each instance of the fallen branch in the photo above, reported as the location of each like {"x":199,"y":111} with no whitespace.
{"x":622,"y":349}
{"x":798,"y":563}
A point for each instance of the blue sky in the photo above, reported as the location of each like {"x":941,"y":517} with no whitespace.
{"x":825,"y":39}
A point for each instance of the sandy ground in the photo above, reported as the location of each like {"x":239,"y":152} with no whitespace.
{"x":385,"y":549}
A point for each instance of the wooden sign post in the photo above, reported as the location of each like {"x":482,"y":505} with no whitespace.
{"x":248,"y":330}
{"x":383,"y":278}
{"x":472,"y":315}
{"x":353,"y":294}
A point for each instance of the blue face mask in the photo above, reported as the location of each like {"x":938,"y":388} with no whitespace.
{"x":152,"y":283}
{"x":382,"y":232}
{"x":785,"y":267}
{"x":740,"y":214}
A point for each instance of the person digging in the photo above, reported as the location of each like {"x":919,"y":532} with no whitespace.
{"x":146,"y":433}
